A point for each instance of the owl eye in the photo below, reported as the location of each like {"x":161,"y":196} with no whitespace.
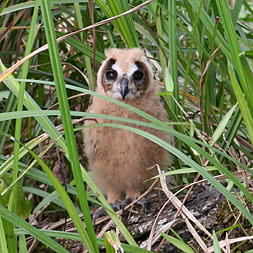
{"x":111,"y":75}
{"x":138,"y":75}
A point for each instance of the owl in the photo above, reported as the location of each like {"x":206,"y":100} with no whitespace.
{"x":122,"y":162}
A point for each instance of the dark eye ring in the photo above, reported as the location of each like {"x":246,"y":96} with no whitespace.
{"x":138,"y":75}
{"x":111,"y":74}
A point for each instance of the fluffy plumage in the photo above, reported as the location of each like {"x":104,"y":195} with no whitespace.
{"x":122,"y":162}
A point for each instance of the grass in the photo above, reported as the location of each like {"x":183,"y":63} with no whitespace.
{"x":205,"y":53}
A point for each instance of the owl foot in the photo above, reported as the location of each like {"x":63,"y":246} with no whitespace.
{"x":116,"y":206}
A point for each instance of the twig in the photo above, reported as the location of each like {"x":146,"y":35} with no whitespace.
{"x":231,"y":241}
{"x":10,"y":70}
{"x":186,"y":214}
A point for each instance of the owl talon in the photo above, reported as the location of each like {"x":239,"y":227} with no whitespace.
{"x":144,"y":203}
{"x":116,"y":206}
{"x":98,"y":213}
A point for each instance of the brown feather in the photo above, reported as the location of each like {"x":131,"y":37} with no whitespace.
{"x":120,"y":160}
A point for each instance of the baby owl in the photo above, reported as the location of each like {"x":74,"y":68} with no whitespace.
{"x":121,"y":162}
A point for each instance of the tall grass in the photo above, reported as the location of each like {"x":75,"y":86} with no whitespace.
{"x":205,"y":52}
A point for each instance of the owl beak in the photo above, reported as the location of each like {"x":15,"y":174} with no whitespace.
{"x":123,"y":84}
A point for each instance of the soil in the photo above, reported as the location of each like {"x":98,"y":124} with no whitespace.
{"x":207,"y":205}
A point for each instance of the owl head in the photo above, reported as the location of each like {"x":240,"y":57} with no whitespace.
{"x":125,"y":74}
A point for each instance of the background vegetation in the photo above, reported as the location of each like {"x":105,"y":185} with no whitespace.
{"x":205,"y":53}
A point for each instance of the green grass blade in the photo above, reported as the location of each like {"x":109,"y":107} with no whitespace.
{"x":173,"y":38}
{"x":22,"y":244}
{"x":216,"y":245}
{"x":209,"y":25}
{"x":30,"y":104}
{"x":178,"y":243}
{"x":243,"y":103}
{"x":12,"y":240}
{"x":66,"y":118}
{"x":125,"y":24}
{"x":19,"y":222}
{"x":3,"y":241}
{"x":67,"y":203}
